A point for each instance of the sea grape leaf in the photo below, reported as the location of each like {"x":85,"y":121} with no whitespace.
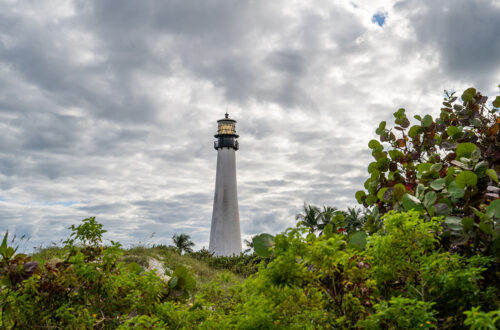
{"x":427,"y":121}
{"x":486,"y":228}
{"x":481,"y":166}
{"x":358,"y":240}
{"x":466,"y":179}
{"x":400,"y":113}
{"x":173,"y":282}
{"x":429,"y":199}
{"x":374,"y":144}
{"x":399,"y":191}
{"x":387,"y":196}
{"x":455,"y":191}
{"x":496,"y":103}
{"x":467,"y":223}
{"x":465,"y":149}
{"x":360,"y":194}
{"x":476,"y":122}
{"x":468,"y":94}
{"x":395,"y":154}
{"x":441,"y":209}
{"x":461,"y":165}
{"x":380,"y":128}
{"x":452,"y":130}
{"x":424,"y":167}
{"x":493,"y":130}
{"x":492,"y":174}
{"x":436,"y":167}
{"x":262,"y":244}
{"x":414,"y":131}
{"x":420,"y":191}
{"x":411,"y":202}
{"x":381,"y":192}
{"x":493,"y":210}
{"x":438,"y":184}
{"x":454,"y":223}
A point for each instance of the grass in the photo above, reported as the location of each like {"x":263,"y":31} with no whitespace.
{"x":169,"y":256}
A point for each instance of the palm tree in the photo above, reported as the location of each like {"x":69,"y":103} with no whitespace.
{"x":183,"y":242}
{"x":326,"y":216}
{"x":354,"y":219}
{"x":310,"y":217}
{"x":249,"y":244}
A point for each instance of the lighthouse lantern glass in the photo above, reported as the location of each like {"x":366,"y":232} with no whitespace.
{"x":227,"y":128}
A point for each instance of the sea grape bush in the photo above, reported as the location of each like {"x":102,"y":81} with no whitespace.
{"x":446,"y":166}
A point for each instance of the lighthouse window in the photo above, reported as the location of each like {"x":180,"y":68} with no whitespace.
{"x":226,"y":129}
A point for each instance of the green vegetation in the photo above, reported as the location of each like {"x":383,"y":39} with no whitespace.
{"x":424,"y":254}
{"x":183,"y":242}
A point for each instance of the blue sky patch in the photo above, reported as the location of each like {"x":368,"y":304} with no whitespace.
{"x":379,"y":18}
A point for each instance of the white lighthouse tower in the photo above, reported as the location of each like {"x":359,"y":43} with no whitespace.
{"x":225,"y":236}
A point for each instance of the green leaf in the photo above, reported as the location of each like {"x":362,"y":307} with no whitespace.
{"x":427,"y":121}
{"x":441,"y":209}
{"x":466,"y":179}
{"x":454,"y":191}
{"x":380,"y":128}
{"x":370,"y":200}
{"x":400,"y":113}
{"x":481,"y":166}
{"x":173,"y":282}
{"x":373,"y":144}
{"x":467,"y":224}
{"x":360,"y":195}
{"x":454,"y":223}
{"x":328,"y":230}
{"x":452,"y":130}
{"x":438,"y":184}
{"x":436,"y":167}
{"x":373,"y":166}
{"x":358,"y":240}
{"x":3,"y":247}
{"x":411,"y":202}
{"x":387,"y":196}
{"x":381,"y":192}
{"x":262,"y":244}
{"x":429,"y":199}
{"x":492,"y":174}
{"x":395,"y":154}
{"x":468,"y":94}
{"x":493,"y":210}
{"x":465,"y":149}
{"x":420,"y":191}
{"x":496,"y":103}
{"x":414,"y":131}
{"x":486,"y":228}
{"x":476,"y":122}
{"x":399,"y":191}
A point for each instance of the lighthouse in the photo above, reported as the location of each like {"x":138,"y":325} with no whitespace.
{"x":225,"y":236}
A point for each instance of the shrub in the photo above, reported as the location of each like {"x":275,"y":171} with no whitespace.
{"x":446,"y":166}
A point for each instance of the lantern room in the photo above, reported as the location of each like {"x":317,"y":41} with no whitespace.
{"x":226,"y":134}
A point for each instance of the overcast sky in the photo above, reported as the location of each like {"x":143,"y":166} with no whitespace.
{"x":108,"y":108}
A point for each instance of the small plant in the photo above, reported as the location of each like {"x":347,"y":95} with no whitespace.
{"x":476,"y":319}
